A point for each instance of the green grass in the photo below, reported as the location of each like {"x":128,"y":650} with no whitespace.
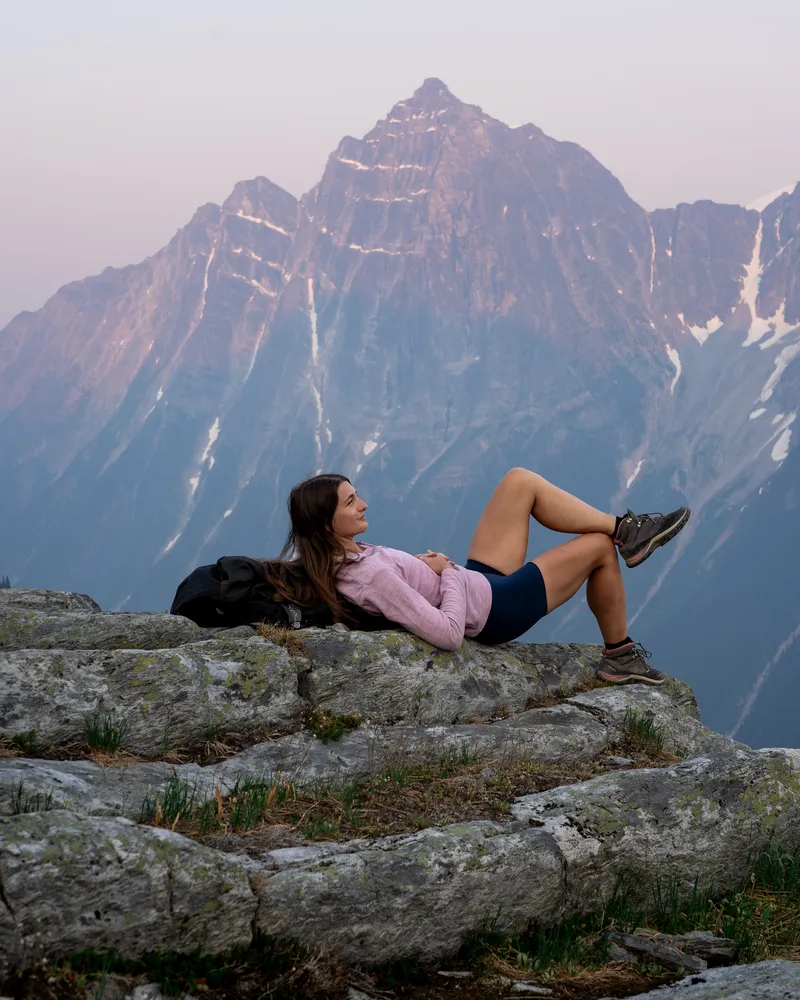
{"x":166,"y":807}
{"x":643,"y":732}
{"x":326,"y":726}
{"x":762,"y":916}
{"x":26,"y":802}
{"x":104,"y":732}
{"x":250,"y":798}
{"x":25,"y":743}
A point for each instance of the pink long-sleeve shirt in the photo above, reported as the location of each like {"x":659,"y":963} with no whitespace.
{"x":440,"y":609}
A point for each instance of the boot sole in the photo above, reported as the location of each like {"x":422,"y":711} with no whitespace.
{"x":658,"y":540}
{"x":624,"y":679}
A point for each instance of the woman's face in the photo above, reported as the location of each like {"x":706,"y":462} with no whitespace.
{"x":349,"y":520}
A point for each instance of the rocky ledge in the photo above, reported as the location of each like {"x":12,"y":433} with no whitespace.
{"x":126,"y":740}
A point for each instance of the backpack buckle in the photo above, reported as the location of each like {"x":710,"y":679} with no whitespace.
{"x":295,"y":615}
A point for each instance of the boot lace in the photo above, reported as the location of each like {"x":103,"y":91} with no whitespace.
{"x":641,"y":518}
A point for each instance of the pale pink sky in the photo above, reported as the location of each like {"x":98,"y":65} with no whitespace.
{"x":118,"y":120}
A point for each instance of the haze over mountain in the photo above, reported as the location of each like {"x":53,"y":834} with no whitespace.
{"x":455,"y":297}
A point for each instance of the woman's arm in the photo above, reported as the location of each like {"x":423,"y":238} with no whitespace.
{"x":393,"y":597}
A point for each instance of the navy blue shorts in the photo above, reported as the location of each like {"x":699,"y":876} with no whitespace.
{"x":519,"y":600}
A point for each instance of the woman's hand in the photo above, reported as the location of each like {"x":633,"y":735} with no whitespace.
{"x":437,"y":561}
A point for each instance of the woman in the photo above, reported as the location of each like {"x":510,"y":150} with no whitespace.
{"x":497,"y":596}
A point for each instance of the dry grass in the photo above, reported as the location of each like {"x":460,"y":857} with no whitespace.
{"x":611,"y":979}
{"x":401,"y":799}
{"x":286,"y":637}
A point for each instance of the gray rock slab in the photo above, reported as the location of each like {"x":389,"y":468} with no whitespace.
{"x":166,"y":698}
{"x":389,"y":677}
{"x":556,"y":734}
{"x":422,"y":897}
{"x":705,"y":818}
{"x":22,"y":628}
{"x":777,"y":980}
{"x":46,"y":600}
{"x":73,"y":882}
{"x":87,"y":788}
{"x":669,"y":707}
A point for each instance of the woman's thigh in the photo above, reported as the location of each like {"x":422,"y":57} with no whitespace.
{"x":567,"y":567}
{"x":501,"y":538}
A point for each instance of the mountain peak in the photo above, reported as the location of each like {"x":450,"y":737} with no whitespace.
{"x":433,"y":95}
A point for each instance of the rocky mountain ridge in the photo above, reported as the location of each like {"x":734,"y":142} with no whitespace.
{"x":454,"y":298}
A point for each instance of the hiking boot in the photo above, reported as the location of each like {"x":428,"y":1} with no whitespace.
{"x":639,"y":535}
{"x":628,"y":663}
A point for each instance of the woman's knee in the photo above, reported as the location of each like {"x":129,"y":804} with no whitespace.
{"x":519,"y":478}
{"x":604,"y":545}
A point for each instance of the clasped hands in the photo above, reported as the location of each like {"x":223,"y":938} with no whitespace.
{"x":437,"y":561}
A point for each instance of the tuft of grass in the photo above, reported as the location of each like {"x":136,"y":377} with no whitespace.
{"x":104,"y":732}
{"x":29,"y":802}
{"x":286,"y":637}
{"x":326,"y":726}
{"x":643,"y":732}
{"x":19,"y":745}
{"x":251,"y":798}
{"x":165,"y":808}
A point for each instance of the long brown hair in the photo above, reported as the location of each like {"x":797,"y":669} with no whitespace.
{"x":305,"y":572}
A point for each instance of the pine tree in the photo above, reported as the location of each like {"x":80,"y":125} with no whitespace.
{"x":5,"y":583}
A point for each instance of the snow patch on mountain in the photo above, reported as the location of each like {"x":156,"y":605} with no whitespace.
{"x":170,"y":544}
{"x":631,"y":478}
{"x":213,"y":434}
{"x":782,"y":362}
{"x":702,"y":333}
{"x":369,"y":447}
{"x":751,"y":285}
{"x":263,"y":222}
{"x":757,"y":413}
{"x":675,"y":358}
{"x":312,"y":315}
{"x":781,"y":449}
{"x":750,"y":288}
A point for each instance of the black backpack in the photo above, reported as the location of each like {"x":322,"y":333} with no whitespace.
{"x":234,"y":591}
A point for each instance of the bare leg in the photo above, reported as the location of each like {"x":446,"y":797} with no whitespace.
{"x":591,"y":558}
{"x":501,"y":538}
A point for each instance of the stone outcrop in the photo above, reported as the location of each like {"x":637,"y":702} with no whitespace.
{"x":21,"y":628}
{"x":69,"y":883}
{"x":165,"y":698}
{"x":567,"y":854}
{"x":579,"y":729}
{"x":763,"y":981}
{"x":123,"y":886}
